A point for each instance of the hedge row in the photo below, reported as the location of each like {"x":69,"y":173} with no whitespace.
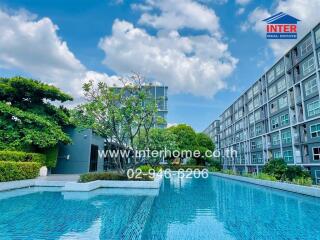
{"x":15,"y":156}
{"x":89,"y":177}
{"x":184,"y":167}
{"x":11,"y":171}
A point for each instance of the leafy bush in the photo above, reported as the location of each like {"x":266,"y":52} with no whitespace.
{"x":184,"y":167}
{"x":89,"y":177}
{"x":51,"y":156}
{"x":192,"y":161}
{"x":216,"y":164}
{"x":229,"y":171}
{"x":158,"y":168}
{"x":275,"y":167}
{"x":147,"y":168}
{"x":213,"y":169}
{"x":11,"y":171}
{"x":293,"y":172}
{"x":15,"y":156}
{"x":305,"y":181}
{"x":264,"y":176}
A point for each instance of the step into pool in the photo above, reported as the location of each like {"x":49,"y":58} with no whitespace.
{"x":183,"y":208}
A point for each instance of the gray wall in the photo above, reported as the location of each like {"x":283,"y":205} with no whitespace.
{"x":79,"y":152}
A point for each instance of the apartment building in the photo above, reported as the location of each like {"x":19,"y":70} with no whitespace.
{"x":159,"y":94}
{"x":279,"y":115}
{"x":213,"y":131}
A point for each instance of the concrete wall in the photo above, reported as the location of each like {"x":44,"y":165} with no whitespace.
{"x":99,"y":141}
{"x":78,"y":152}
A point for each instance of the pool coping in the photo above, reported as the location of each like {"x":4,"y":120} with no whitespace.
{"x":89,"y":186}
{"x":289,"y":187}
{"x":82,"y":187}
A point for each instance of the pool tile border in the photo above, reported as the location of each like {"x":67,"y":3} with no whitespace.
{"x":305,"y":190}
{"x":81,"y":187}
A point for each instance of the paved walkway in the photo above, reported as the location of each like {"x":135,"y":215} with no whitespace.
{"x":61,"y":177}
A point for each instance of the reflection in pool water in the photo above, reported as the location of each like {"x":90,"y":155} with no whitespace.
{"x":213,"y":208}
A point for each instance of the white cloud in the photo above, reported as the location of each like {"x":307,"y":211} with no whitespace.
{"x":306,"y":11}
{"x":243,"y":2}
{"x":240,"y":11}
{"x":33,"y":46}
{"x":193,"y":64}
{"x":180,"y":14}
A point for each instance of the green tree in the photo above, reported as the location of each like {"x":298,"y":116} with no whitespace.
{"x":28,"y":120}
{"x":159,"y":140}
{"x":276,"y":167}
{"x":185,"y":137}
{"x":118,"y":113}
{"x":203,"y":145}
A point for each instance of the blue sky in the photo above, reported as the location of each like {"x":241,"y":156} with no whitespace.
{"x":207,"y":51}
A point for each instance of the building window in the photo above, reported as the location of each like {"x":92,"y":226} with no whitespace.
{"x":275,"y":139}
{"x":319,"y":57}
{"x":255,"y":88}
{"x":249,"y":94}
{"x":258,"y":129}
{"x":252,"y":132}
{"x":259,"y":144}
{"x":313,"y":108}
{"x":281,"y":85}
{"x":273,"y":107}
{"x":283,"y":101}
{"x":257,"y":115}
{"x":276,"y":155}
{"x":256,"y":102}
{"x":270,"y":76}
{"x":286,"y":137}
{"x":253,"y":145}
{"x":274,"y":122}
{"x":272,"y":91}
{"x":284,"y":119}
{"x":317,"y":35}
{"x":316,"y":153}
{"x":308,"y":66}
{"x":280,"y":68}
{"x":306,"y":46}
{"x":250,"y":106}
{"x":311,"y":86}
{"x":256,"y":158}
{"x":288,"y":155}
{"x":240,"y":113}
{"x":251,"y":119}
{"x":315,"y":130}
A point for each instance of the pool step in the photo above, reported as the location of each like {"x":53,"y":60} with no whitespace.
{"x":136,"y":225}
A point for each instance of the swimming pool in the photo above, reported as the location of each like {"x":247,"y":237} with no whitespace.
{"x":212,"y":208}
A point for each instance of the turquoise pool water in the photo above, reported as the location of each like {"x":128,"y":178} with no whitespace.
{"x":213,"y":208}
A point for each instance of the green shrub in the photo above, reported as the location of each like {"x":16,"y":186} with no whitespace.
{"x":11,"y":171}
{"x":89,"y":177}
{"x":264,"y":176}
{"x":229,"y":171}
{"x":213,"y":169}
{"x":275,"y":167}
{"x":15,"y":156}
{"x":158,"y":168}
{"x":305,"y":181}
{"x":216,"y":164}
{"x":293,"y":172}
{"x":184,"y":167}
{"x":147,"y":168}
{"x":192,"y":162}
{"x":51,"y":155}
